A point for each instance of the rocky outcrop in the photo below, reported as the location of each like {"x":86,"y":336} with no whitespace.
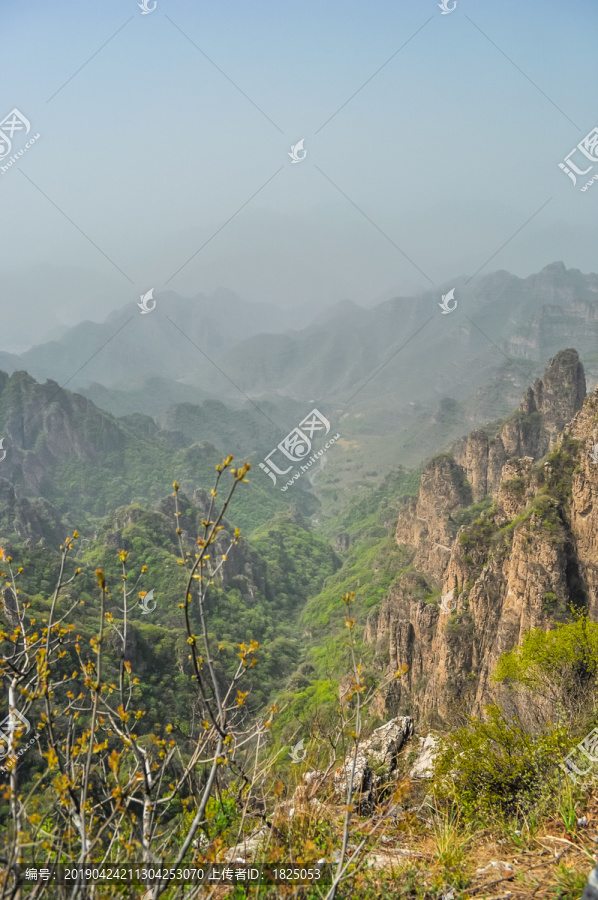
{"x":514,"y":563}
{"x":423,"y":767}
{"x":582,"y":511}
{"x":248,"y":847}
{"x":544,"y":411}
{"x":560,"y":393}
{"x":425,"y":523}
{"x":375,"y":765}
{"x":342,"y":542}
{"x":515,"y":490}
{"x":45,"y":424}
{"x":35,"y":521}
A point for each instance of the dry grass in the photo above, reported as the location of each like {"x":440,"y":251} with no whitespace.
{"x":425,"y":857}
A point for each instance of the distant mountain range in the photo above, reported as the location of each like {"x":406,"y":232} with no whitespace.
{"x":401,"y":368}
{"x":331,"y":355}
{"x":334,"y":355}
{"x":129,"y":346}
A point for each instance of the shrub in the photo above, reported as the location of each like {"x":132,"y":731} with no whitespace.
{"x":560,"y":665}
{"x":558,"y":467}
{"x":515,"y":486}
{"x":470,"y":513}
{"x":493,"y":769}
{"x":478,"y":534}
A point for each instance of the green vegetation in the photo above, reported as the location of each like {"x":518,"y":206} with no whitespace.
{"x":478,"y":535}
{"x":549,"y":602}
{"x":497,"y":775}
{"x":515,"y":486}
{"x":375,"y":509}
{"x":492,"y":769}
{"x":298,"y":560}
{"x":558,"y":467}
{"x":260,"y":597}
{"x":552,"y":478}
{"x":276,"y":609}
{"x":469,"y":514}
{"x":90,"y":462}
{"x":561,"y":665}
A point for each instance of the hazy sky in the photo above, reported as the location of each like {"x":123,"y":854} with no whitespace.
{"x":149,"y":149}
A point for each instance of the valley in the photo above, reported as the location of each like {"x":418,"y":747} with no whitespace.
{"x":436,"y":577}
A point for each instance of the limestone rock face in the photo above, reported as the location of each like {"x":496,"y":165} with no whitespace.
{"x":544,"y":411}
{"x":583,"y":510}
{"x":560,"y":393}
{"x":475,"y":461}
{"x":425,"y":522}
{"x":423,"y":767}
{"x":476,"y":588}
{"x":497,"y":456}
{"x":514,"y":491}
{"x":342,"y":542}
{"x":248,"y":847}
{"x":113,"y":540}
{"x":376,"y":761}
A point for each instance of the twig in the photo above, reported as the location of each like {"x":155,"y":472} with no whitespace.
{"x":547,"y":862}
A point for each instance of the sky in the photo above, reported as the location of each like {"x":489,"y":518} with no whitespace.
{"x":432,"y":148}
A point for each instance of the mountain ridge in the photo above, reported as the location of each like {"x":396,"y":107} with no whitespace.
{"x":506,"y":542}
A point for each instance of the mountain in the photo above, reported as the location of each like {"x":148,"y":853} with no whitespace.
{"x":267,"y":351}
{"x":505,"y":521}
{"x":258,"y":595}
{"x":130,"y":346}
{"x":398,"y":381}
{"x":71,"y":466}
{"x":493,"y":541}
{"x":249,"y":432}
{"x":501,"y":538}
{"x":152,"y":397}
{"x":347,"y":343}
{"x":68,"y":464}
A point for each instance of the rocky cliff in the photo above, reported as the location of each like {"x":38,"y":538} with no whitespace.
{"x":544,"y":411}
{"x":504,"y":536}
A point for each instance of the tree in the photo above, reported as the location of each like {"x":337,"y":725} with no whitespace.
{"x":103,"y":788}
